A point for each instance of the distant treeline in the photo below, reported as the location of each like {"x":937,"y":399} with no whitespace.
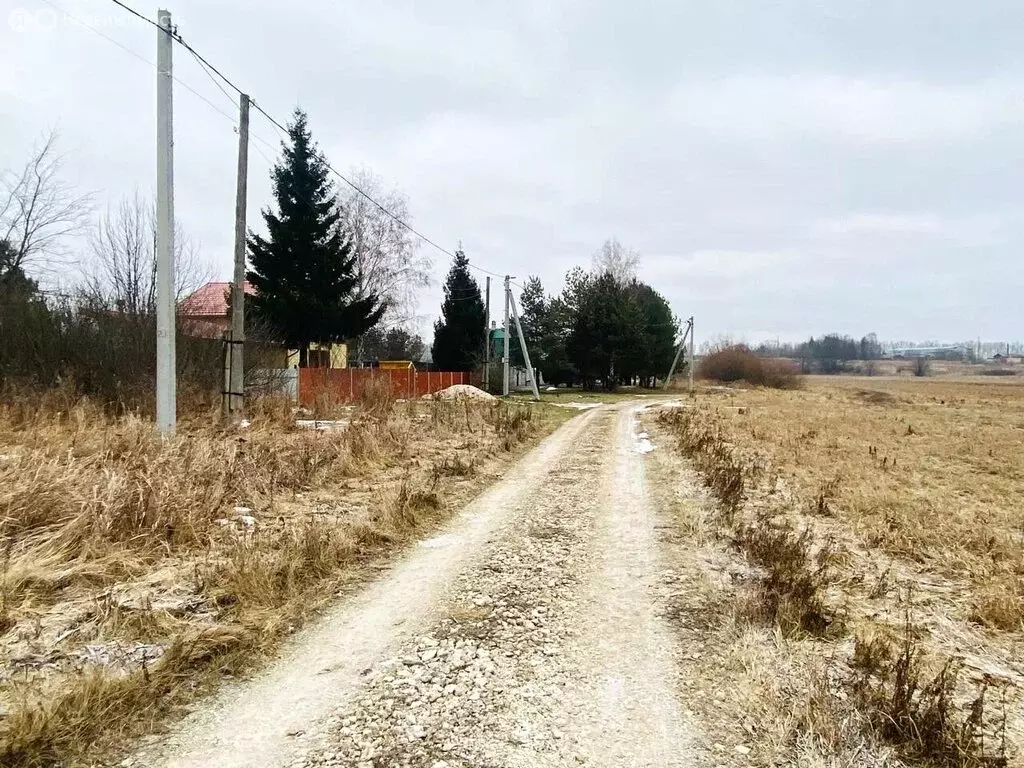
{"x":834,"y":353}
{"x":827,"y":354}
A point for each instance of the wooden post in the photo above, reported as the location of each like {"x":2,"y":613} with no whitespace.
{"x":236,"y":398}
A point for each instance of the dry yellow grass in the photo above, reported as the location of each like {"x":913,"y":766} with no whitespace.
{"x":136,"y":572}
{"x":912,"y":486}
{"x":930,"y":471}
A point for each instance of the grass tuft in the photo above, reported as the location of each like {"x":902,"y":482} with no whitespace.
{"x":795,"y":575}
{"x":918,"y":714}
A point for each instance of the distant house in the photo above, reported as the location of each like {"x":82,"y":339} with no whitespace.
{"x":204,"y":314}
{"x":1007,"y":359}
{"x":939,"y":353}
{"x":497,"y":341}
{"x":518,"y":377}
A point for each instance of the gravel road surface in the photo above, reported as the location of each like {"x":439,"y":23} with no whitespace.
{"x":526,"y":633}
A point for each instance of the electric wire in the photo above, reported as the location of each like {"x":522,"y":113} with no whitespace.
{"x":397,"y":219}
{"x":138,"y":56}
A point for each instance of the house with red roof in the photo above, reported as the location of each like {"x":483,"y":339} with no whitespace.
{"x":204,"y":314}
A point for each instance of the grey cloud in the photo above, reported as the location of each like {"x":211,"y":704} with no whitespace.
{"x":785,"y":168}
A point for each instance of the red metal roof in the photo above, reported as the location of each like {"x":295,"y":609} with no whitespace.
{"x":211,"y":300}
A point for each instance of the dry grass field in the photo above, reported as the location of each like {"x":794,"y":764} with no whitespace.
{"x":881,"y":521}
{"x":135,"y":572}
{"x":929,"y":471}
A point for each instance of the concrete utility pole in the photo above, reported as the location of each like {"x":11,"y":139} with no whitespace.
{"x":487,"y":340}
{"x":522,"y":346}
{"x":166,"y":396}
{"x":679,"y":352}
{"x":505,"y":342}
{"x":693,"y":363}
{"x":236,"y":392}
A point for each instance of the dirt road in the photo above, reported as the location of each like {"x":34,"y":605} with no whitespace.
{"x":527,"y":633}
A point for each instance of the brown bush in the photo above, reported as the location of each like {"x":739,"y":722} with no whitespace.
{"x":738,"y":363}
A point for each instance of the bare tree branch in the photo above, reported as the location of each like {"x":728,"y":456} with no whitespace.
{"x":122,"y":271}
{"x":614,"y":258}
{"x":388,"y":256}
{"x":39,"y":210}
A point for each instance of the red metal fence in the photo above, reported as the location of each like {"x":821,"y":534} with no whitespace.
{"x":346,"y":384}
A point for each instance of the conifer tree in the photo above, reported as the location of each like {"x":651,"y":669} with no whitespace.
{"x":459,"y":333}
{"x":304,"y":271}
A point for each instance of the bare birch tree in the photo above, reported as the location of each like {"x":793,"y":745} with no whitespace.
{"x":39,"y":210}
{"x":122,"y":269}
{"x":391,"y":264}
{"x":614,"y":258}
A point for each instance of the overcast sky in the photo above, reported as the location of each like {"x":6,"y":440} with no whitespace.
{"x":784,"y":168}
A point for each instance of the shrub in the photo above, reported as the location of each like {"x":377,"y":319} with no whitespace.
{"x":738,"y":363}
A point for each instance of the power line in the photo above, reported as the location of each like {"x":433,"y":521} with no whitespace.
{"x":136,"y":13}
{"x":398,"y":220}
{"x":212,"y":78}
{"x":138,"y":56}
{"x":381,"y":208}
{"x":261,"y":153}
{"x":198,"y":95}
{"x":233,"y":119}
{"x":485,"y":271}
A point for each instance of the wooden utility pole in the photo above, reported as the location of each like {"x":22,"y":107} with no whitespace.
{"x":166,"y":395}
{"x":487,"y":339}
{"x":236,"y":390}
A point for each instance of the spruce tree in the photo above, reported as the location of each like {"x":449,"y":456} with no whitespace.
{"x":532,"y":314}
{"x":305,"y":272}
{"x":459,"y":333}
{"x":660,"y":331}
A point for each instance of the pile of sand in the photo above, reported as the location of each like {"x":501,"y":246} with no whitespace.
{"x":459,"y":391}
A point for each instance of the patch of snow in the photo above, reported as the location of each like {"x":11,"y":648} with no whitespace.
{"x":643,"y":446}
{"x":551,"y":389}
{"x":642,"y":442}
{"x":578,"y":406}
{"x":242,"y":511}
{"x":244,"y":424}
{"x":320,"y":425}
